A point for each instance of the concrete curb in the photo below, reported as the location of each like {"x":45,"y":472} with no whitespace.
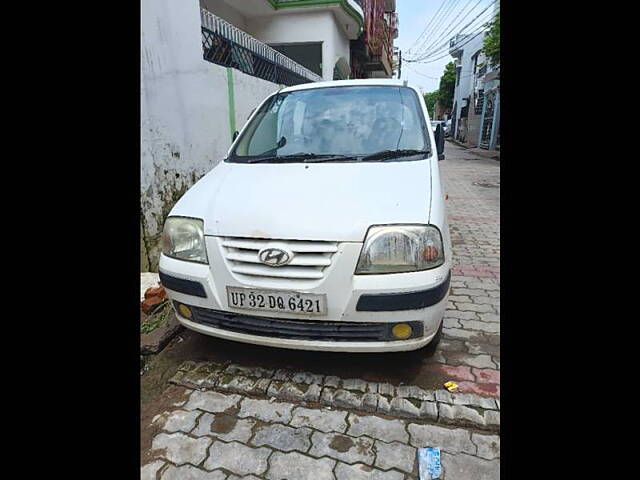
{"x":405,"y":401}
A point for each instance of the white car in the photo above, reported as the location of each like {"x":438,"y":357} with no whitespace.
{"x":324,"y":228}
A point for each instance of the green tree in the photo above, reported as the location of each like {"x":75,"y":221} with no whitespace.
{"x":447,"y":86}
{"x":430,"y":99}
{"x":491,"y":46}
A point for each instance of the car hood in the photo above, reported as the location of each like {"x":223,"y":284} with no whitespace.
{"x":322,"y":201}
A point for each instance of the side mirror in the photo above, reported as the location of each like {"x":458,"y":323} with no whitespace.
{"x":439,"y":137}
{"x":235,"y":135}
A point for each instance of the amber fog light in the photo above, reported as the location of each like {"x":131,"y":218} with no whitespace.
{"x":184,"y":311}
{"x":401,"y":331}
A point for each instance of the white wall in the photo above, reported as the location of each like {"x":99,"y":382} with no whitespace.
{"x":300,"y":26}
{"x":185,"y":127}
{"x":465,"y":87}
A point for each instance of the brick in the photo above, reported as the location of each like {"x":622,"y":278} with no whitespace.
{"x":486,"y":375}
{"x":342,"y":447}
{"x":395,"y":455}
{"x":149,"y":305}
{"x":237,"y":458}
{"x":295,"y":465}
{"x":155,"y":292}
{"x":377,"y":427}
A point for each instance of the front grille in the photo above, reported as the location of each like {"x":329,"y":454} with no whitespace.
{"x":310,"y":261}
{"x":298,"y":329}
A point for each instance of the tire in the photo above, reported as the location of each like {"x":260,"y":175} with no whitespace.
{"x":431,"y":347}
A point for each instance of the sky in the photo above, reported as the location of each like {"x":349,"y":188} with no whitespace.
{"x":413,"y":17}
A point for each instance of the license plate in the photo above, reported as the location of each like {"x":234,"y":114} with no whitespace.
{"x":273,"y":301}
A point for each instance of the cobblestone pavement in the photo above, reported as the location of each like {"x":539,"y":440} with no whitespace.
{"x":361,"y":422}
{"x":213,"y":435}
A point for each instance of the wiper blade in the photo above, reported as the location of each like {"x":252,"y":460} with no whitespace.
{"x":296,"y":157}
{"x":389,"y":154}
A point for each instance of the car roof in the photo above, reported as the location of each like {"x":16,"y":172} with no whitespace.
{"x":387,"y":82}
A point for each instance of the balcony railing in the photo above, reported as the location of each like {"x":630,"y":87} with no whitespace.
{"x":227,"y":45}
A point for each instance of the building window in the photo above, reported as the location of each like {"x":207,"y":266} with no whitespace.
{"x":308,"y":55}
{"x":458,"y":72}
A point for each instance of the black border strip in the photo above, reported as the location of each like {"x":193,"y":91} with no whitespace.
{"x":388,"y":302}
{"x":181,"y":285}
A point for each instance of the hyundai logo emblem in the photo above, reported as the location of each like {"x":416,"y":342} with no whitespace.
{"x":274,"y":257}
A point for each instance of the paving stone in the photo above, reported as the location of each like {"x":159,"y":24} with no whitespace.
{"x":189,"y":472}
{"x":465,"y":466}
{"x":484,"y":389}
{"x":387,"y":389}
{"x":464,"y":399}
{"x":283,"y":374}
{"x":457,"y":372}
{"x":492,"y":417}
{"x":460,"y":414}
{"x":238,"y":383}
{"x":148,"y":471}
{"x":372,"y":387}
{"x":395,"y":455}
{"x":354,"y":384}
{"x":429,"y":410}
{"x":323,"y":420}
{"x":307,"y":378}
{"x":489,"y":317}
{"x":179,"y":448}
{"x":359,"y":471}
{"x":256,"y":372}
{"x":452,"y":440}
{"x":383,"y":405}
{"x":459,"y":333}
{"x":248,"y":477}
{"x":342,"y":447}
{"x":413,"y":391}
{"x":282,"y":437}
{"x":292,"y":391}
{"x":377,"y":427}
{"x":461,"y":315}
{"x":213,"y":402}
{"x":347,"y":399}
{"x":404,"y":408}
{"x":488,"y":445}
{"x":486,"y":375}
{"x":293,"y":466}
{"x":498,"y":403}
{"x":472,"y":307}
{"x":181,"y":421}
{"x":265,"y":410}
{"x":480,"y":348}
{"x":332,"y":381}
{"x":478,"y":361}
{"x":326,"y":396}
{"x":237,"y":458}
{"x":451,"y":323}
{"x":370,"y":402}
{"x":224,"y":427}
{"x":481,"y":326}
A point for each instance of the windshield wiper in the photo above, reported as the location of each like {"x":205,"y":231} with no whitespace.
{"x":389,"y":154}
{"x":296,"y":157}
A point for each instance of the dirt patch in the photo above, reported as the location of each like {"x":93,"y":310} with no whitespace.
{"x":341,"y":444}
{"x":223,"y":423}
{"x":171,"y":395}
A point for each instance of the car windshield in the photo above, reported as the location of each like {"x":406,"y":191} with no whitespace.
{"x":337,"y":123}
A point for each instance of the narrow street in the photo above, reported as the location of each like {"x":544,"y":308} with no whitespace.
{"x":222,"y":410}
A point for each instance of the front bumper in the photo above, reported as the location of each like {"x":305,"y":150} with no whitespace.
{"x":382,"y":300}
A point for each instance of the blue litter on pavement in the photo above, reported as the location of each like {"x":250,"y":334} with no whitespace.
{"x":429,"y":463}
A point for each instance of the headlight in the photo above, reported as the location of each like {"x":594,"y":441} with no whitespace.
{"x":183,"y":238}
{"x":400,"y":248}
